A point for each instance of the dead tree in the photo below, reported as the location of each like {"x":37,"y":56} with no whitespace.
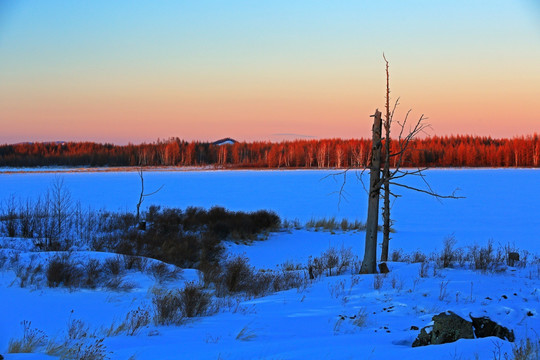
{"x":386,"y":171}
{"x":390,"y":177}
{"x":369,"y":264}
{"x":143,"y":196}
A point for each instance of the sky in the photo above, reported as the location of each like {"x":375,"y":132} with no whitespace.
{"x":135,"y":71}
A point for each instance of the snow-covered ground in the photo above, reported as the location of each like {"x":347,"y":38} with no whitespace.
{"x":499,"y":204}
{"x":314,"y":321}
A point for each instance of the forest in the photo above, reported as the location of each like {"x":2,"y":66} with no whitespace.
{"x":436,"y":151}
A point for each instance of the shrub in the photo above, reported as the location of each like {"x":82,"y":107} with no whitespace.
{"x":485,"y":258}
{"x":237,"y":275}
{"x":29,"y":274}
{"x":135,"y":262}
{"x":418,"y":257}
{"x":111,"y":222}
{"x":113,"y":266}
{"x":194,"y":300}
{"x":9,"y":216}
{"x":397,"y":255}
{"x":61,"y":270}
{"x":171,"y":307}
{"x":447,"y":256}
{"x":92,"y":272}
{"x":163,"y":272}
{"x":117,"y":283}
{"x":135,"y":320}
{"x":167,"y":307}
{"x":423,"y":271}
{"x":332,"y":259}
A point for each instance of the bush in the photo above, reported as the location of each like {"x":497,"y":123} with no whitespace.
{"x":485,"y":258}
{"x":113,"y":266}
{"x":397,"y":255}
{"x":173,"y":306}
{"x":61,"y":270}
{"x":164,"y":272}
{"x":332,"y":260}
{"x":447,"y":256}
{"x":167,"y":307}
{"x":135,"y":263}
{"x":92,"y":271}
{"x":237,"y":275}
{"x":418,"y":257}
{"x":194,"y":300}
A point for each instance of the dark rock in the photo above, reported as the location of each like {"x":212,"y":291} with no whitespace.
{"x":484,"y":327}
{"x":530,"y":313}
{"x":447,"y":327}
{"x":423,"y":338}
{"x":414,"y":327}
{"x":1,"y":357}
{"x":383,"y":268}
{"x":504,"y":297}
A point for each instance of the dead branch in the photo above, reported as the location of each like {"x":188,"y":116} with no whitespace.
{"x":430,"y":192}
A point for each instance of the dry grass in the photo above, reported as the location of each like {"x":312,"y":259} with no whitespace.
{"x":378,"y":281}
{"x":361,"y":318}
{"x":31,"y":340}
{"x":526,"y":350}
{"x":246,"y":334}
{"x":132,"y":324}
{"x":331,"y":224}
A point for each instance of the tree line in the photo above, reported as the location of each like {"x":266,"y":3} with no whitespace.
{"x":436,"y":151}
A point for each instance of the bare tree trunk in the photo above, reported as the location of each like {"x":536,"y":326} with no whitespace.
{"x":386,"y":172}
{"x":141,"y":197}
{"x":369,"y":264}
{"x":142,"y":225}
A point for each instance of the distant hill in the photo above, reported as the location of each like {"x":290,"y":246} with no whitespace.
{"x":225,"y":141}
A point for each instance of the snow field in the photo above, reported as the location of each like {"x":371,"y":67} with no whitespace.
{"x":499,"y":204}
{"x":338,"y":317}
{"x":317,"y":321}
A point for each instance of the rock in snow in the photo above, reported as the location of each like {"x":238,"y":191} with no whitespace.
{"x":449,"y":327}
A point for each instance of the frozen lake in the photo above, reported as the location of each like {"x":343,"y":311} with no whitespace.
{"x":500,"y":204}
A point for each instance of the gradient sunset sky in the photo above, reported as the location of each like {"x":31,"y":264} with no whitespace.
{"x":134,"y":71}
